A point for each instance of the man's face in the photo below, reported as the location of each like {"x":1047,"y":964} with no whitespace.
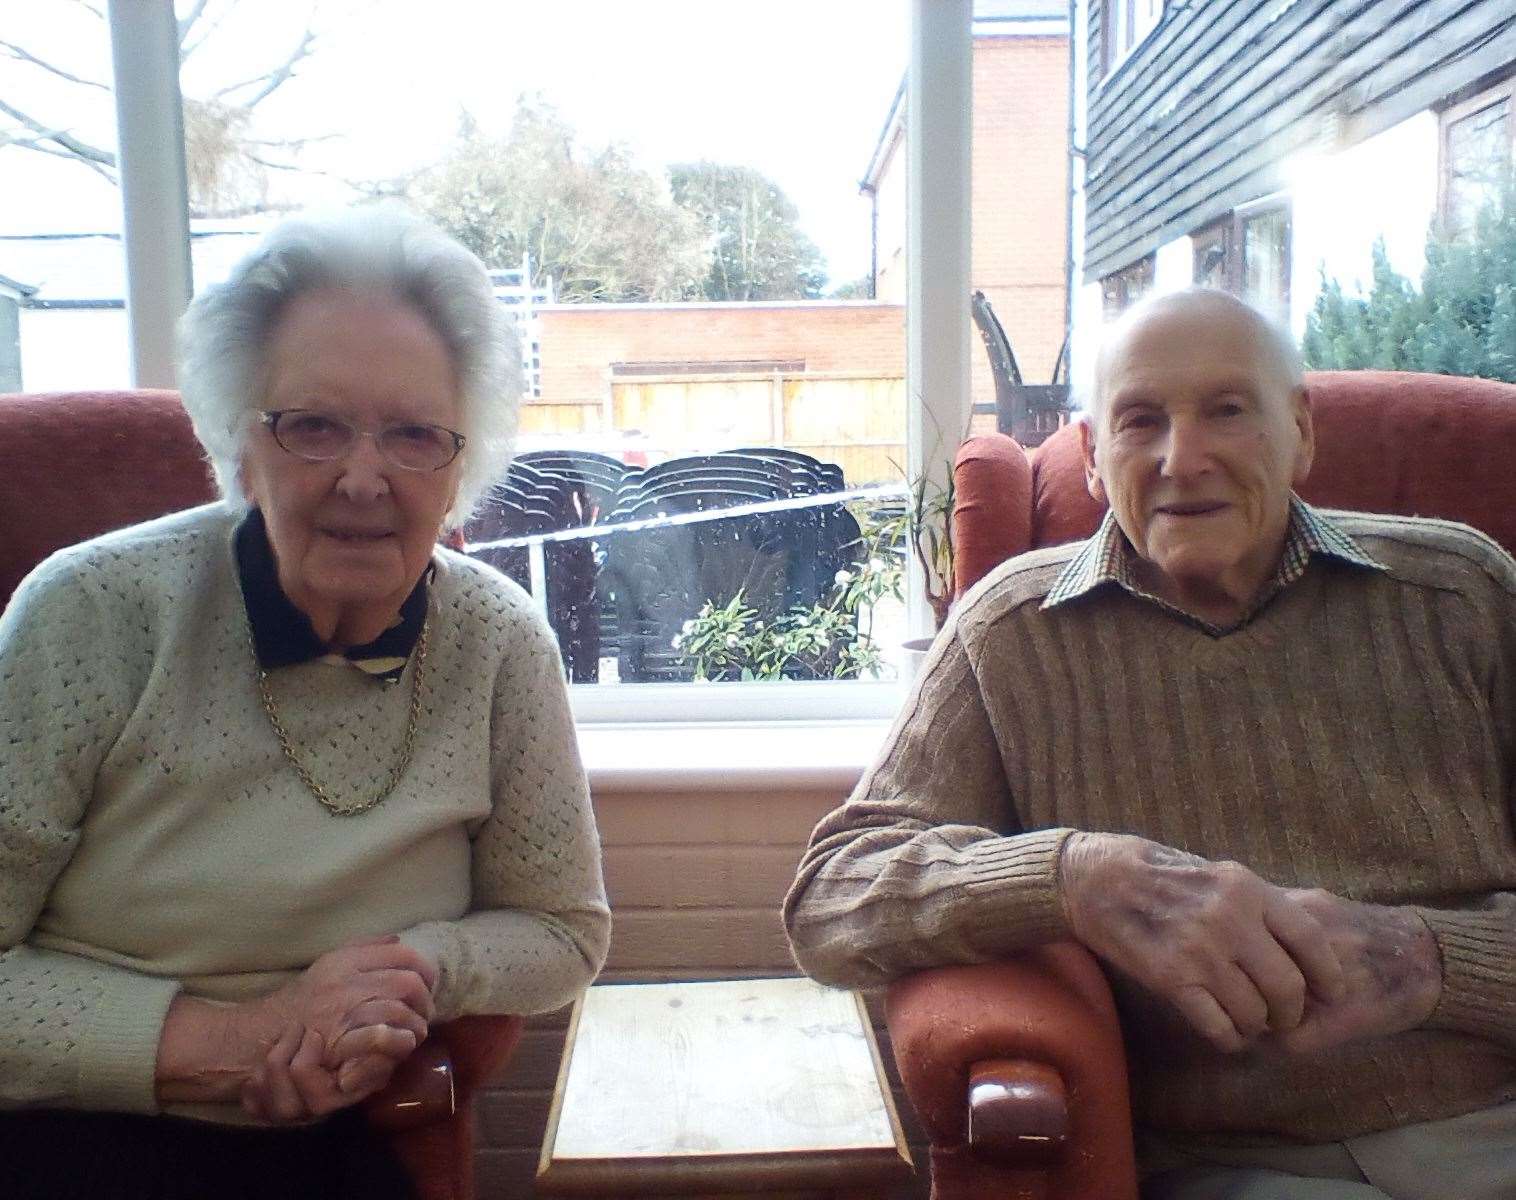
{"x":1198,"y":440}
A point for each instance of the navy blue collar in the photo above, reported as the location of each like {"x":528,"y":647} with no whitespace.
{"x":282,"y":634}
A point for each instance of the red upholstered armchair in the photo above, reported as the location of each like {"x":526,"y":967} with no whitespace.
{"x":76,"y":465}
{"x":1016,"y":1069}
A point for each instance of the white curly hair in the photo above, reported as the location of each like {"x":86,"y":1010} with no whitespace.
{"x":223,"y":337}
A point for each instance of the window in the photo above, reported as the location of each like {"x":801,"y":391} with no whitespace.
{"x":828,"y":386}
{"x":62,"y":274}
{"x":1125,"y":24}
{"x":1213,"y":255}
{"x":1477,"y":141}
{"x":1264,"y":238}
{"x":1248,"y":254}
{"x":1127,"y":286}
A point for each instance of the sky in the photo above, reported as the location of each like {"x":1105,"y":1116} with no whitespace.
{"x":799,"y":89}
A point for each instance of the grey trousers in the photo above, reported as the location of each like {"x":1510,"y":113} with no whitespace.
{"x":1472,"y":1157}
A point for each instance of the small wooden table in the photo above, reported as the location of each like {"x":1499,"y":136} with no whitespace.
{"x":721,"y":1089}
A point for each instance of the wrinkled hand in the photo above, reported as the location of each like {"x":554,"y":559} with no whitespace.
{"x":1392,"y":973}
{"x":298,"y":1080}
{"x":1238,"y":956}
{"x":335,"y":1034}
{"x":376,"y":982}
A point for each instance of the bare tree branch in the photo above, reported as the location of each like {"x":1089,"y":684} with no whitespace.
{"x":187,"y":23}
{"x":42,"y":148}
{"x":271,"y":79}
{"x":23,"y":55}
{"x":202,"y":28}
{"x":93,"y":9}
{"x":62,"y":137}
{"x":291,"y":143}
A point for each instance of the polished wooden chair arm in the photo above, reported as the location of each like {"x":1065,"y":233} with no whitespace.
{"x":421,"y":1091}
{"x":1017,"y":1072}
{"x":427,"y":1107}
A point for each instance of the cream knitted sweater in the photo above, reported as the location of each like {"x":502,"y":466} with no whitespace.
{"x":154,"y":838}
{"x":1359,"y":734}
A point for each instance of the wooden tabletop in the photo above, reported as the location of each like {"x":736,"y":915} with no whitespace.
{"x":761,"y":1083}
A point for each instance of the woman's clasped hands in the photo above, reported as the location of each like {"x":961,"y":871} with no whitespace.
{"x":336,"y":1033}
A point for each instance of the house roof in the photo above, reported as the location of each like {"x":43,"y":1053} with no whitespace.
{"x":88,"y":270}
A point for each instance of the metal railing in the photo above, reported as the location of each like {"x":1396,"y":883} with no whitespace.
{"x":537,"y":558}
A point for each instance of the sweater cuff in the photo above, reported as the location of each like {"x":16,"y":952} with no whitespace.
{"x":1015,"y":880}
{"x":439,"y":941}
{"x":1477,"y":976}
{"x":118,"y":1054}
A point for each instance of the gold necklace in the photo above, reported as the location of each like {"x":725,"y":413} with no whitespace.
{"x":331,"y":806}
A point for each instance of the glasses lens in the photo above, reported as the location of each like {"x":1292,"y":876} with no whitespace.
{"x":418,"y":447}
{"x":313,"y":434}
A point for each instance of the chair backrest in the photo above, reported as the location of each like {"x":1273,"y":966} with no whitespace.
{"x":1387,"y":442}
{"x":79,"y":464}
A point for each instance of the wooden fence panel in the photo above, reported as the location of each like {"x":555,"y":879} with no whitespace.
{"x":560,"y":420}
{"x":691,"y":415}
{"x":857,"y":422}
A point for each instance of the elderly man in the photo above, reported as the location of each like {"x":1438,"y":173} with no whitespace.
{"x":1257,"y":758}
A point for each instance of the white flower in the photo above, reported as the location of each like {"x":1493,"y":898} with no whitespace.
{"x":688,"y":626}
{"x":676,"y":641}
{"x":876,"y":564}
{"x":757,"y":624}
{"x":842,"y":577}
{"x":731,"y":639}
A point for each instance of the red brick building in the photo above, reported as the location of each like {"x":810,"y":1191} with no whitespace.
{"x":1020,"y":183}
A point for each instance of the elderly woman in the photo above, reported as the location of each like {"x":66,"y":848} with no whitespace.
{"x":282,"y":783}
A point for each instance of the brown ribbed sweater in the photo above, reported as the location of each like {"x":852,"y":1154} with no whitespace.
{"x":1359,"y":734}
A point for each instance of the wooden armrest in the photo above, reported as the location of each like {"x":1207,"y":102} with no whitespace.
{"x":419,"y":1093}
{"x":1002,"y":1060}
{"x":1018,"y":1112}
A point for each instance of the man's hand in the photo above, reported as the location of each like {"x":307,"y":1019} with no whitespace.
{"x":1236,"y":955}
{"x":1392,"y":973}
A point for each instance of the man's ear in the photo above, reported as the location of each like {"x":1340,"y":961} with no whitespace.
{"x":1087,"y":452}
{"x":1305,"y":426}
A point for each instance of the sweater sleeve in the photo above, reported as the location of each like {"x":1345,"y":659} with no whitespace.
{"x":923,"y":866}
{"x":539,"y":928}
{"x":1478,"y":942}
{"x":74,"y":1033}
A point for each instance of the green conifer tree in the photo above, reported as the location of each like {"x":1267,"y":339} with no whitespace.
{"x":1460,"y":321}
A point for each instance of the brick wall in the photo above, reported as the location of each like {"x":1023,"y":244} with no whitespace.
{"x":695,"y":882}
{"x":1019,"y":197}
{"x":581,"y":341}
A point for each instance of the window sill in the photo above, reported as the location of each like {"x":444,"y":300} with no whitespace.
{"x":729,"y":756}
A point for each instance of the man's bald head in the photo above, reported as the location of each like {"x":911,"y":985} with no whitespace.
{"x":1276,"y":352}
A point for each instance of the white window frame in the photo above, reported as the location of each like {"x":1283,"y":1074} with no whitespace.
{"x":155,"y":230}
{"x":1148,"y":20}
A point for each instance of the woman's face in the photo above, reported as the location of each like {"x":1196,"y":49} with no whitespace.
{"x":353,"y":534}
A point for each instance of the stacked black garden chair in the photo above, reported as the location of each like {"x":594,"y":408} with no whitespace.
{"x":547,"y":493}
{"x":654,"y":580}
